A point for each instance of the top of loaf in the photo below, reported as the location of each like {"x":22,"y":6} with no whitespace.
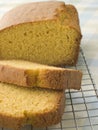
{"x":41,"y":11}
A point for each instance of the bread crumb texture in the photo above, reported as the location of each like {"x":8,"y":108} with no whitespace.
{"x":20,"y":106}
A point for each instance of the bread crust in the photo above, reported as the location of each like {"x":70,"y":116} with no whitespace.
{"x":34,"y":14}
{"x":48,"y":77}
{"x":13,"y":75}
{"x":8,"y":121}
{"x":61,"y":79}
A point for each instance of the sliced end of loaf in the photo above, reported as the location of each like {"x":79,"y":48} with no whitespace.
{"x":20,"y":106}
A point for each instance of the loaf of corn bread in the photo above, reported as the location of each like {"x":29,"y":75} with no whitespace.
{"x":28,"y":74}
{"x":42,"y":32}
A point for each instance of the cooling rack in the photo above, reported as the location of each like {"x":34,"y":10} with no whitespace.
{"x":81,"y":110}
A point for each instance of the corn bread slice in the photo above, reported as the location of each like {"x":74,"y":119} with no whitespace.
{"x":25,"y":73}
{"x":20,"y":106}
{"x":42,"y":32}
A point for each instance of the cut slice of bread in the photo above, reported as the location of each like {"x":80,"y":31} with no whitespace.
{"x":20,"y":106}
{"x":42,"y":32}
{"x":30,"y":74}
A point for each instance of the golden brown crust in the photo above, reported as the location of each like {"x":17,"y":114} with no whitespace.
{"x":13,"y":75}
{"x":41,"y":11}
{"x":49,"y":77}
{"x":60,"y":79}
{"x":73,"y":19}
{"x":34,"y":12}
{"x":74,"y":81}
{"x":8,"y":121}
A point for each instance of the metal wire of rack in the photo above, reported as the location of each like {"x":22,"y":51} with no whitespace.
{"x":81,"y":110}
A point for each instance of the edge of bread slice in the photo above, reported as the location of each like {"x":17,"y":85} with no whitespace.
{"x":21,"y":106}
{"x":28,"y":74}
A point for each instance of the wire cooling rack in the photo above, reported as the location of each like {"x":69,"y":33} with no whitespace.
{"x":81,"y":110}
